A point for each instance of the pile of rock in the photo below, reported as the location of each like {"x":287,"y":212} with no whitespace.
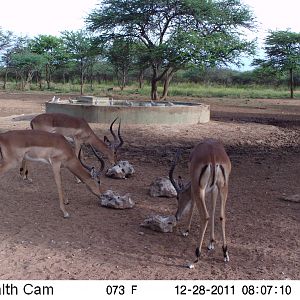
{"x":122,"y":170}
{"x":162,"y":187}
{"x":160,"y":223}
{"x":113,"y":200}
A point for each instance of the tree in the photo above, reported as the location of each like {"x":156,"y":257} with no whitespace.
{"x":282,"y":54}
{"x":80,"y":47}
{"x":16,"y":45}
{"x":121,"y":56}
{"x":6,"y":42}
{"x":5,"y":39}
{"x":175,"y":33}
{"x":26,"y":64}
{"x":51,"y":48}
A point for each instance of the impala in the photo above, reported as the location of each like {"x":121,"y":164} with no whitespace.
{"x":209,"y":168}
{"x":79,"y":131}
{"x":50,"y":148}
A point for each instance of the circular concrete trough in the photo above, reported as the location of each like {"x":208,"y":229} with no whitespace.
{"x":101,"y":110}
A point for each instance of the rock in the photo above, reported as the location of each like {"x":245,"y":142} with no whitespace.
{"x":113,"y":200}
{"x":122,"y":170}
{"x":292,"y":198}
{"x":160,"y":223}
{"x":162,"y":187}
{"x":115,"y":172}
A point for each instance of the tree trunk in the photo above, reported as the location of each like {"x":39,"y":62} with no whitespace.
{"x":48,"y":76}
{"x":28,"y":80}
{"x":92,"y":77}
{"x":141,"y":78}
{"x":154,"y":92}
{"x":40,"y":80}
{"x":81,"y":77}
{"x":123,"y":79}
{"x":167,"y":81}
{"x":292,"y":83}
{"x":5,"y":79}
{"x":154,"y":83}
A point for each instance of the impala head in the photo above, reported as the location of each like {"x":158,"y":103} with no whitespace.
{"x":184,"y":199}
{"x":115,"y":145}
{"x":95,"y":174}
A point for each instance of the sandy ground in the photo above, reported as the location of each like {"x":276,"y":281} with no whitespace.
{"x":262,"y":138}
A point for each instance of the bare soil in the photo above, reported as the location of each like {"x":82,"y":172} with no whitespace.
{"x":262,"y":138}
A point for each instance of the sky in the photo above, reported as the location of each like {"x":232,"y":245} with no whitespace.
{"x":34,"y":17}
{"x":275,"y":15}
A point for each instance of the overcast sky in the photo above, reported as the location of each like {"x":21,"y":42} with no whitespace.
{"x":34,"y":17}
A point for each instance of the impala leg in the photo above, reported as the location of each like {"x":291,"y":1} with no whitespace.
{"x":223,"y":195}
{"x":190,"y":215}
{"x":204,"y":217}
{"x":24,"y":170}
{"x":77,"y":150}
{"x":214,"y":196}
{"x":57,"y":177}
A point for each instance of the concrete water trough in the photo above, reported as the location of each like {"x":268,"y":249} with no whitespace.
{"x":104,"y":110}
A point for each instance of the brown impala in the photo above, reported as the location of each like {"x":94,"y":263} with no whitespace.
{"x":50,"y":148}
{"x":209,"y":168}
{"x":79,"y":131}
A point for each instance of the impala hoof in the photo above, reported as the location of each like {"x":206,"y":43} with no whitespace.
{"x":225,"y":252}
{"x":186,"y":233}
{"x":211,"y":245}
{"x":66,"y":216}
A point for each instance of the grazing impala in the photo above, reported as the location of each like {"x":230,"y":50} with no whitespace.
{"x":209,"y":167}
{"x":80,"y":132}
{"x":50,"y":148}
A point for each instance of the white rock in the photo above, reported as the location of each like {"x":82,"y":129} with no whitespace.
{"x":123,"y":169}
{"x":160,"y":223}
{"x":113,"y":200}
{"x":162,"y":187}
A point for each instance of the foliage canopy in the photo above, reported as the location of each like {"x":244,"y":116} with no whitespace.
{"x":175,"y":33}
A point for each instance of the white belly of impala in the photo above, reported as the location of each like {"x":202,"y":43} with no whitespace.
{"x":39,"y":159}
{"x":38,"y":156}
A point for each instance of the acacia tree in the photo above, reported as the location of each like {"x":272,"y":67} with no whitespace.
{"x":282,"y":54}
{"x":26,"y":65}
{"x":175,"y":33}
{"x":5,"y":39}
{"x":51,"y":48}
{"x":121,"y":56}
{"x":6,"y":43}
{"x":18,"y":58}
{"x":79,"y":45}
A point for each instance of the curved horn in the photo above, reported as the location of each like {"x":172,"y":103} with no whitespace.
{"x":175,"y":184}
{"x":111,"y":130}
{"x":82,"y":163}
{"x":99,"y":158}
{"x":121,"y":141}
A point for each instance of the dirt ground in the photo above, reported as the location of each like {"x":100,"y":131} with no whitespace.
{"x":262,"y":138}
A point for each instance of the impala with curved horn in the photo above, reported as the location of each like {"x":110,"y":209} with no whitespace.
{"x":209,"y":168}
{"x":79,"y":131}
{"x":50,"y":148}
